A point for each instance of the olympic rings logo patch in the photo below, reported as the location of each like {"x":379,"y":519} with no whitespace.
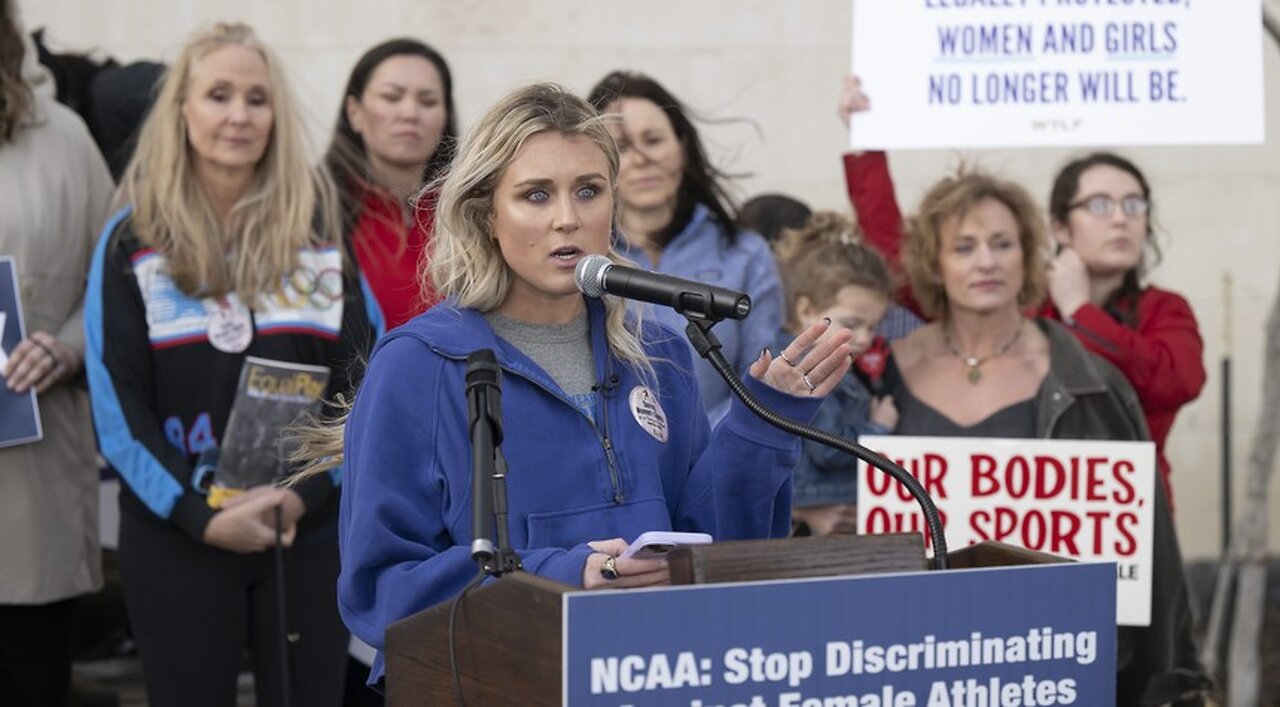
{"x":321,"y":290}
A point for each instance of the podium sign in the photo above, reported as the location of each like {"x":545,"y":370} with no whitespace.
{"x":1034,"y":635}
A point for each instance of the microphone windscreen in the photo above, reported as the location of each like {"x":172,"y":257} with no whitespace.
{"x":482,"y":366}
{"x":589,"y":275}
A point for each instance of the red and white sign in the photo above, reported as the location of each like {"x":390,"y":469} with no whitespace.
{"x":1085,"y":499}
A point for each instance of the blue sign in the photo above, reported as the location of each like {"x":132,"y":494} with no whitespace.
{"x":1035,"y":635}
{"x":19,"y":414}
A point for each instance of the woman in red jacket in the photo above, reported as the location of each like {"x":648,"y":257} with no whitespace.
{"x":1100,"y":213}
{"x":395,"y":131}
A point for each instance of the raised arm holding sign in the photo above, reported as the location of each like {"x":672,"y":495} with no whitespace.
{"x":1101,"y":210}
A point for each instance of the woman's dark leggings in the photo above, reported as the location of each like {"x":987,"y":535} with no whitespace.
{"x":194,"y":609}
{"x":35,"y":654}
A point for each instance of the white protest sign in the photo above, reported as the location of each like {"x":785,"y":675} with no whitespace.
{"x":1089,"y":500}
{"x":1028,"y":73}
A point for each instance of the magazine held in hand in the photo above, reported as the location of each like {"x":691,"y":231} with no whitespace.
{"x":271,"y":396}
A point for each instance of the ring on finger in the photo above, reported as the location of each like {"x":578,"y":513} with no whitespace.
{"x":47,"y":351}
{"x":809,"y":383}
{"x":610,"y":568}
{"x":782,"y":354}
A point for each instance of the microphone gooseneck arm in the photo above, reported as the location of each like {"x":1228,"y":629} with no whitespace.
{"x":708,"y":346}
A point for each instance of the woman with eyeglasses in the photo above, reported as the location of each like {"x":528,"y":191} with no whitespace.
{"x":1100,"y":213}
{"x":1101,"y":218}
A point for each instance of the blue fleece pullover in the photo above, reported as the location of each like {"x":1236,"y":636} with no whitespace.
{"x":405,"y":518}
{"x":702,"y":252}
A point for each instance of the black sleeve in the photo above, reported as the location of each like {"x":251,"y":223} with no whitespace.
{"x":119,"y":363}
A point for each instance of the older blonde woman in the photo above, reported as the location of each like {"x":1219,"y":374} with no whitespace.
{"x":975,"y":256}
{"x":226,"y":248}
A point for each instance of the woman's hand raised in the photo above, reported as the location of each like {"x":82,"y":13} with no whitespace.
{"x":1068,"y":282}
{"x":852,"y":99}
{"x":812,"y":364}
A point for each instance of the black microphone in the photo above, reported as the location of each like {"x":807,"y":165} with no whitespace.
{"x":484,"y":422}
{"x":596,"y":274}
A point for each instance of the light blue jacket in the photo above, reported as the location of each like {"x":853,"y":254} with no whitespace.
{"x":703,"y":253}
{"x":405,"y":518}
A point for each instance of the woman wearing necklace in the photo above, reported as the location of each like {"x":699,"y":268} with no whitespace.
{"x":1101,"y":216}
{"x":975,"y":257}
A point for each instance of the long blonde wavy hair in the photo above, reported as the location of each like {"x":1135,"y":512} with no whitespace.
{"x":289,"y":205}
{"x":464,"y":261}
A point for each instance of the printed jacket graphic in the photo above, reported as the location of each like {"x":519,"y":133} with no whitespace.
{"x":161,"y":391}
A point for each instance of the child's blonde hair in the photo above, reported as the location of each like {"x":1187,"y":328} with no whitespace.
{"x":823,"y":257}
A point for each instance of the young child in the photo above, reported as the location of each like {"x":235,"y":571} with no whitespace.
{"x":829,"y":273}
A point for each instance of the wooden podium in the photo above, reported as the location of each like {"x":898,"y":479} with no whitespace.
{"x":509,"y":632}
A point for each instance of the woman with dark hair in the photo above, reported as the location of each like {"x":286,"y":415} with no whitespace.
{"x":675,"y":218}
{"x":395,"y":131}
{"x":1100,"y":213}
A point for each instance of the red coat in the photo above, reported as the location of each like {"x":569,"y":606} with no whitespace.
{"x":1163,"y":356}
{"x":390,"y":254}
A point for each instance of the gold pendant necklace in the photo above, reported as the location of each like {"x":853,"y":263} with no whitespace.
{"x":973,"y":362}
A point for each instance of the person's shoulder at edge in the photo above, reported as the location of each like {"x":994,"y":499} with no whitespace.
{"x":752,"y":243}
{"x":1065,"y":349}
{"x":1154,"y":297}
{"x":118,"y":232}
{"x":64,"y":121}
{"x":445,"y":325}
